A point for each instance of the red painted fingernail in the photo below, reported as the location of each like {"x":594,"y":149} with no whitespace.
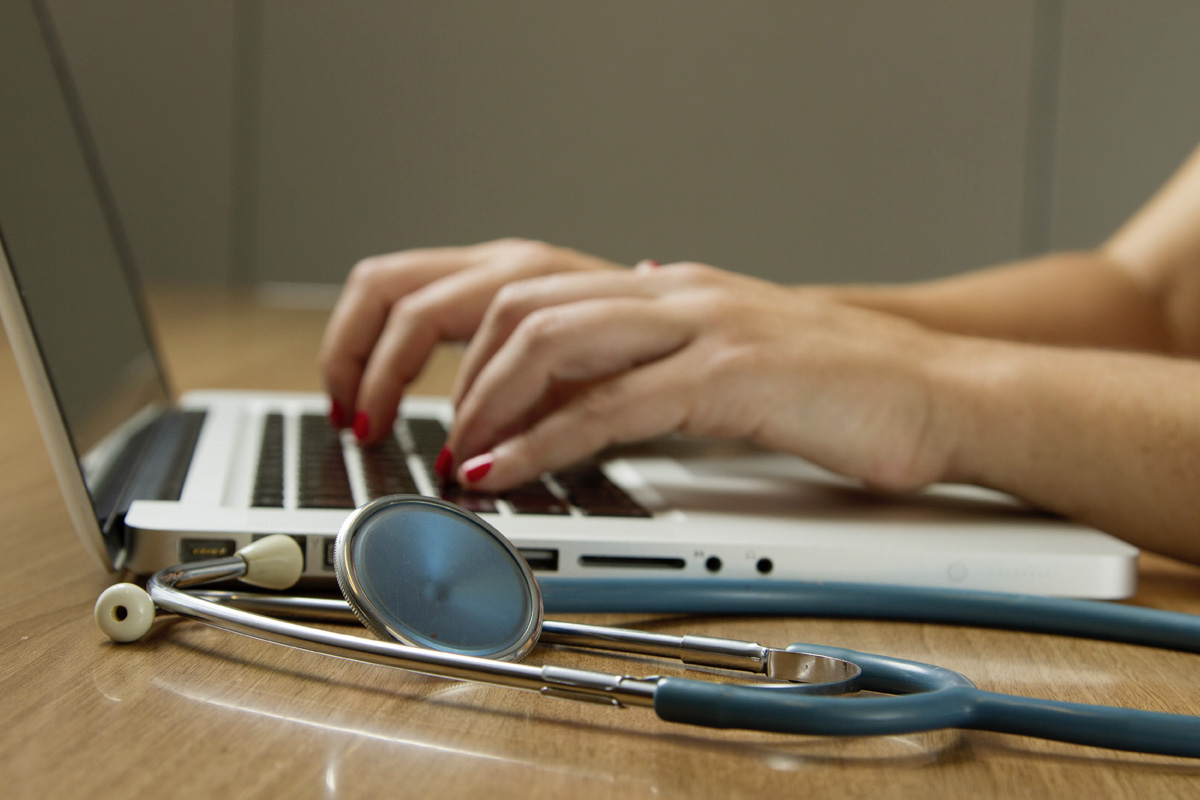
{"x":362,"y":426}
{"x":444,"y":466}
{"x":647,"y":264}
{"x":476,"y":468}
{"x":337,"y":414}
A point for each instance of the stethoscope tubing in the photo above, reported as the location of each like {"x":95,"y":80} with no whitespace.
{"x":931,"y":698}
{"x":1088,"y":619}
{"x":923,"y":697}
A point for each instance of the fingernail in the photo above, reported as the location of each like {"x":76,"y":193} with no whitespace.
{"x":337,"y":414}
{"x":477,"y":468}
{"x":362,"y":426}
{"x":647,"y":264}
{"x":444,"y":466}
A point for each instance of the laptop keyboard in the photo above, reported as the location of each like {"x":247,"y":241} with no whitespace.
{"x":324,"y":480}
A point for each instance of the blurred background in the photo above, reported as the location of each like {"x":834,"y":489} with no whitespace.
{"x":276,"y":142}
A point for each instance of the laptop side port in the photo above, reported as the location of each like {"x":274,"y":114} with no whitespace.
{"x":541,"y":559}
{"x":635,"y":562}
{"x":203,"y":549}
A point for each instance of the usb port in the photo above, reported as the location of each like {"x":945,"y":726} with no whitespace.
{"x":541,"y":560}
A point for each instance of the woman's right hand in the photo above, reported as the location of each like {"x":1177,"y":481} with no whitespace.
{"x":395,"y":308}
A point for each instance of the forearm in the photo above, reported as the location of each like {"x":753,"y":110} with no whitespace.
{"x":1083,"y":298}
{"x":1109,"y":439}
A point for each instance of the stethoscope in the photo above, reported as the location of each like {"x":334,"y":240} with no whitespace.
{"x":447,"y":595}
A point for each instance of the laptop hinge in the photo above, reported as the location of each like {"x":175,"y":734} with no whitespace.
{"x":157,"y":462}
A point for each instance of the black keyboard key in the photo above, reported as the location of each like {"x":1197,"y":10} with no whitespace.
{"x":534,"y":498}
{"x":268,"y":480}
{"x":591,"y":491}
{"x":428,"y":438}
{"x":477,"y":502}
{"x":429,"y":435}
{"x":385,"y":470}
{"x":324,"y":482}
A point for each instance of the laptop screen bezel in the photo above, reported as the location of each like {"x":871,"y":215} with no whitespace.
{"x":50,"y":419}
{"x":66,"y":460}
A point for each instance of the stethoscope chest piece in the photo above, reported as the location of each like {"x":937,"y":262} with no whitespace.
{"x":426,"y":573}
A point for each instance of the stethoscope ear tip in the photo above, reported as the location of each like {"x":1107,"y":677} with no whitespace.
{"x":124,"y":612}
{"x":273,"y":562}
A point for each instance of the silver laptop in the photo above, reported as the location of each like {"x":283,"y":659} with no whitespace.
{"x":151,"y":480}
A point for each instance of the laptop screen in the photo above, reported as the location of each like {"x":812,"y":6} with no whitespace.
{"x":65,"y":250}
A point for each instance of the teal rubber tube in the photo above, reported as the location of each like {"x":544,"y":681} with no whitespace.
{"x":925,"y":698}
{"x":1091,"y":619}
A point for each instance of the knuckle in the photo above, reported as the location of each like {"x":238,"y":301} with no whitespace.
{"x":710,"y":307}
{"x":603,"y":402}
{"x":541,"y":329}
{"x":413,"y":310}
{"x":339,"y":372}
{"x":524,"y":449}
{"x":511,"y":296}
{"x":368,"y":272}
{"x":512,"y":302}
{"x":530,"y":255}
{"x":530,"y":453}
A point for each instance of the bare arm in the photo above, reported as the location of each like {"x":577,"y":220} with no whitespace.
{"x":1140,"y":290}
{"x":1110,"y":439}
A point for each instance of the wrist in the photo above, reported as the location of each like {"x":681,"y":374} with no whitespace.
{"x":979,"y":416}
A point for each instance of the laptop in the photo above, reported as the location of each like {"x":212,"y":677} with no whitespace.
{"x":152,"y":480}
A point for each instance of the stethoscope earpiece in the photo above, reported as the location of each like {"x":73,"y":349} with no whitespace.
{"x":124,"y":612}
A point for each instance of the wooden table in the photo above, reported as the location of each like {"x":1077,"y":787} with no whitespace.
{"x":195,"y":712}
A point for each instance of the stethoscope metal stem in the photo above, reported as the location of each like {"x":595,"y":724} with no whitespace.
{"x":698,"y":651}
{"x":582,"y":685}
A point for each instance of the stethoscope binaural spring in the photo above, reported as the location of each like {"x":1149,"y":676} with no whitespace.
{"x":448,"y":595}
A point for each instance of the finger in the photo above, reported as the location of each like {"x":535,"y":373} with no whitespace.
{"x":363,"y":308}
{"x":577,"y":342}
{"x":650,"y":401}
{"x":447,"y":310}
{"x":518,"y":300}
{"x":441,"y":294}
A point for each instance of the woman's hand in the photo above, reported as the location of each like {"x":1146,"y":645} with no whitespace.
{"x":565,"y":365}
{"x":395,"y":308}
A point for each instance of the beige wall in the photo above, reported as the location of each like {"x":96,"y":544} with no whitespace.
{"x":1130,"y":110}
{"x":155,"y":81}
{"x":280,"y":140}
